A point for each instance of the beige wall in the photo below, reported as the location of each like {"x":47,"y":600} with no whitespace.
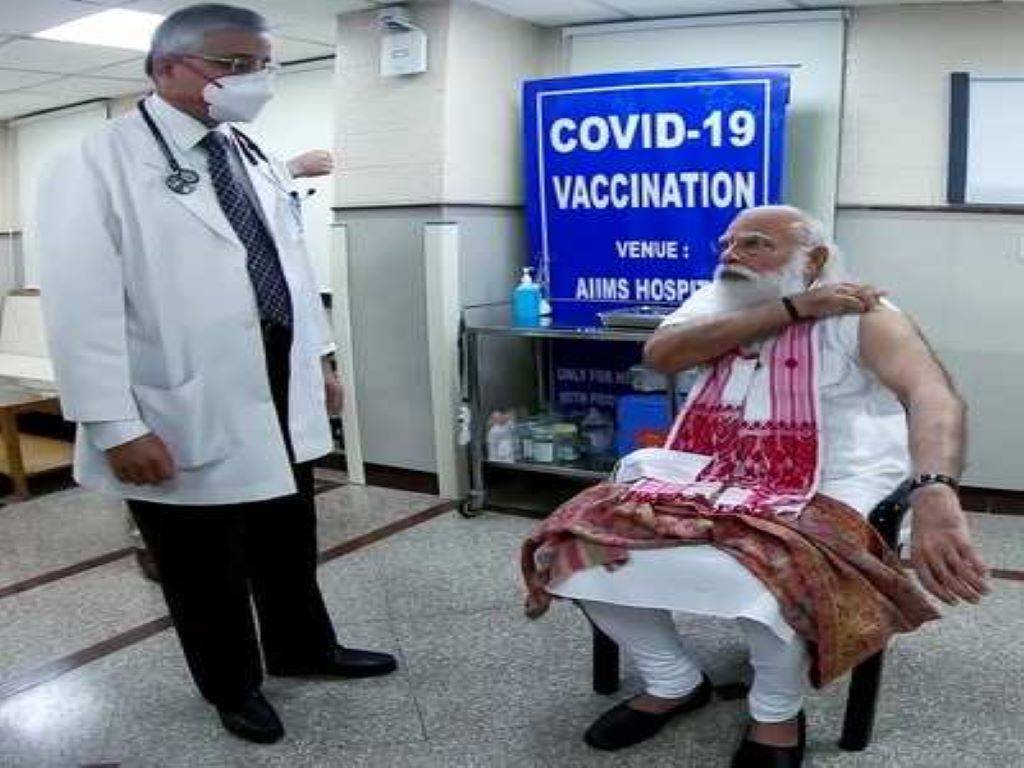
{"x":895,"y":123}
{"x":958,"y":274}
{"x":489,"y":57}
{"x":451,"y":134}
{"x":10,"y":215}
{"x":390,"y":131}
{"x":122,"y":106}
{"x":10,"y":244}
{"x":8,"y":180}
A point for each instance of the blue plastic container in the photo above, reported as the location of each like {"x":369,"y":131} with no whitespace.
{"x":642,"y":422}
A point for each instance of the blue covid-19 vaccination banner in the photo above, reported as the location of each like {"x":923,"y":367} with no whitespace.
{"x":630,"y":180}
{"x":632,"y":177}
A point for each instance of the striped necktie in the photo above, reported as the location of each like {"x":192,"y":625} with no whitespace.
{"x":264,"y":266}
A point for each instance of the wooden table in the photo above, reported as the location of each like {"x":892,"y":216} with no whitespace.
{"x":26,"y":455}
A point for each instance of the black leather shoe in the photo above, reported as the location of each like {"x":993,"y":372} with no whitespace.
{"x":752,"y":754}
{"x":147,"y":564}
{"x":622,"y":726}
{"x":342,"y":662}
{"x":253,"y":720}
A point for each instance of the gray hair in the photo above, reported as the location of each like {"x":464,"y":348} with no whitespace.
{"x":811,"y":234}
{"x":183,"y":31}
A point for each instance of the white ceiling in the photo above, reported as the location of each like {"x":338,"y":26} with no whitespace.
{"x":566,"y":12}
{"x":38,"y":74}
{"x":41,"y":74}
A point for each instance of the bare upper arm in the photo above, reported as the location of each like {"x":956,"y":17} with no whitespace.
{"x":894,"y":349}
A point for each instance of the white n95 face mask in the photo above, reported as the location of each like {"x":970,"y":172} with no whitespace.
{"x":239,"y":98}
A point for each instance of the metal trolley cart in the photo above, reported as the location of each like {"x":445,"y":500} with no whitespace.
{"x":495,"y":320}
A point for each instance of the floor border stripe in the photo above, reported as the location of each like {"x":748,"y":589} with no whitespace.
{"x":48,"y":577}
{"x":383,"y":532}
{"x":63,"y":573}
{"x":53,"y":669}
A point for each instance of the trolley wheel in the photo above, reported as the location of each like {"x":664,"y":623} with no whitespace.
{"x":467,"y":510}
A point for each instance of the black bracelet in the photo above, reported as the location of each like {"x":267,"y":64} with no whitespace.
{"x":934,"y":479}
{"x":794,"y":315}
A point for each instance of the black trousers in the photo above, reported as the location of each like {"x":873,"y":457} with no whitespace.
{"x":216,"y":562}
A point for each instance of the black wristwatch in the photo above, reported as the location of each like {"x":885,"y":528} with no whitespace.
{"x":934,"y":479}
{"x":794,"y":313}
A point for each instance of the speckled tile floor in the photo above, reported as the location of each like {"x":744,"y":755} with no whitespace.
{"x":479,"y":685}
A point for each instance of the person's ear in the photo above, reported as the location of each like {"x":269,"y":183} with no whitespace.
{"x":161,"y":69}
{"x":816,"y":262}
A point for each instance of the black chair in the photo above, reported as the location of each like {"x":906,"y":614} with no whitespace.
{"x":866,"y":677}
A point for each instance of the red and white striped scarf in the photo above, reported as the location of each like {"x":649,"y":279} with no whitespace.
{"x":757,"y":417}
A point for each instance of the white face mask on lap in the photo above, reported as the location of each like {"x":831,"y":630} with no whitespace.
{"x":239,"y":98}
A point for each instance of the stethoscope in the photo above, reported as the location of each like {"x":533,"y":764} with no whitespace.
{"x":254,"y":155}
{"x":180,"y":180}
{"x":183,"y":181}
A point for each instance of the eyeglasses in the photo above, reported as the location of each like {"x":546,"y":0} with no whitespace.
{"x":751,"y":244}
{"x":241,"y":64}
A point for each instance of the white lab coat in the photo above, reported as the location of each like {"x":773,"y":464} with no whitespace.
{"x":151,"y":315}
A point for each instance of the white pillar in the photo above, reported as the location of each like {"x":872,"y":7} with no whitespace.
{"x":342,"y":320}
{"x":441,"y":256}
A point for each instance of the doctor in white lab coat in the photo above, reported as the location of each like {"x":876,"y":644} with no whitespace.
{"x":188,"y":340}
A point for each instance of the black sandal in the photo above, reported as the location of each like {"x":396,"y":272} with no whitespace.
{"x":753,"y":754}
{"x":623,"y":726}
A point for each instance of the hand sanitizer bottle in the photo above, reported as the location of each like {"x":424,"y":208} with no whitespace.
{"x":598,"y":433}
{"x":526,"y":300}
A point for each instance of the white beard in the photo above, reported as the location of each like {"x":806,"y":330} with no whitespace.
{"x":739,"y":287}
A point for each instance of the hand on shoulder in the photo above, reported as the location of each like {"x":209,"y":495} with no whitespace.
{"x":836,"y":299}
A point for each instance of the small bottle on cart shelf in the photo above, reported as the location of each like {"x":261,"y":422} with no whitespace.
{"x":524,"y":436}
{"x":643,"y":379}
{"x":501,"y":438}
{"x":566,"y":442}
{"x":598,"y":433}
{"x":542,"y":443}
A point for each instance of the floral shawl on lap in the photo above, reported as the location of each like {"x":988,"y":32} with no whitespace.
{"x":753,"y":420}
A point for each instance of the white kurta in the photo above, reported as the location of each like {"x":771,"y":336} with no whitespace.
{"x":864,"y":457}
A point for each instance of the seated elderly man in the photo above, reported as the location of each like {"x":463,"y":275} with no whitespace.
{"x":796,"y":429}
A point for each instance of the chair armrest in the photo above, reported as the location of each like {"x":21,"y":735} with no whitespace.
{"x":888,"y":514}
